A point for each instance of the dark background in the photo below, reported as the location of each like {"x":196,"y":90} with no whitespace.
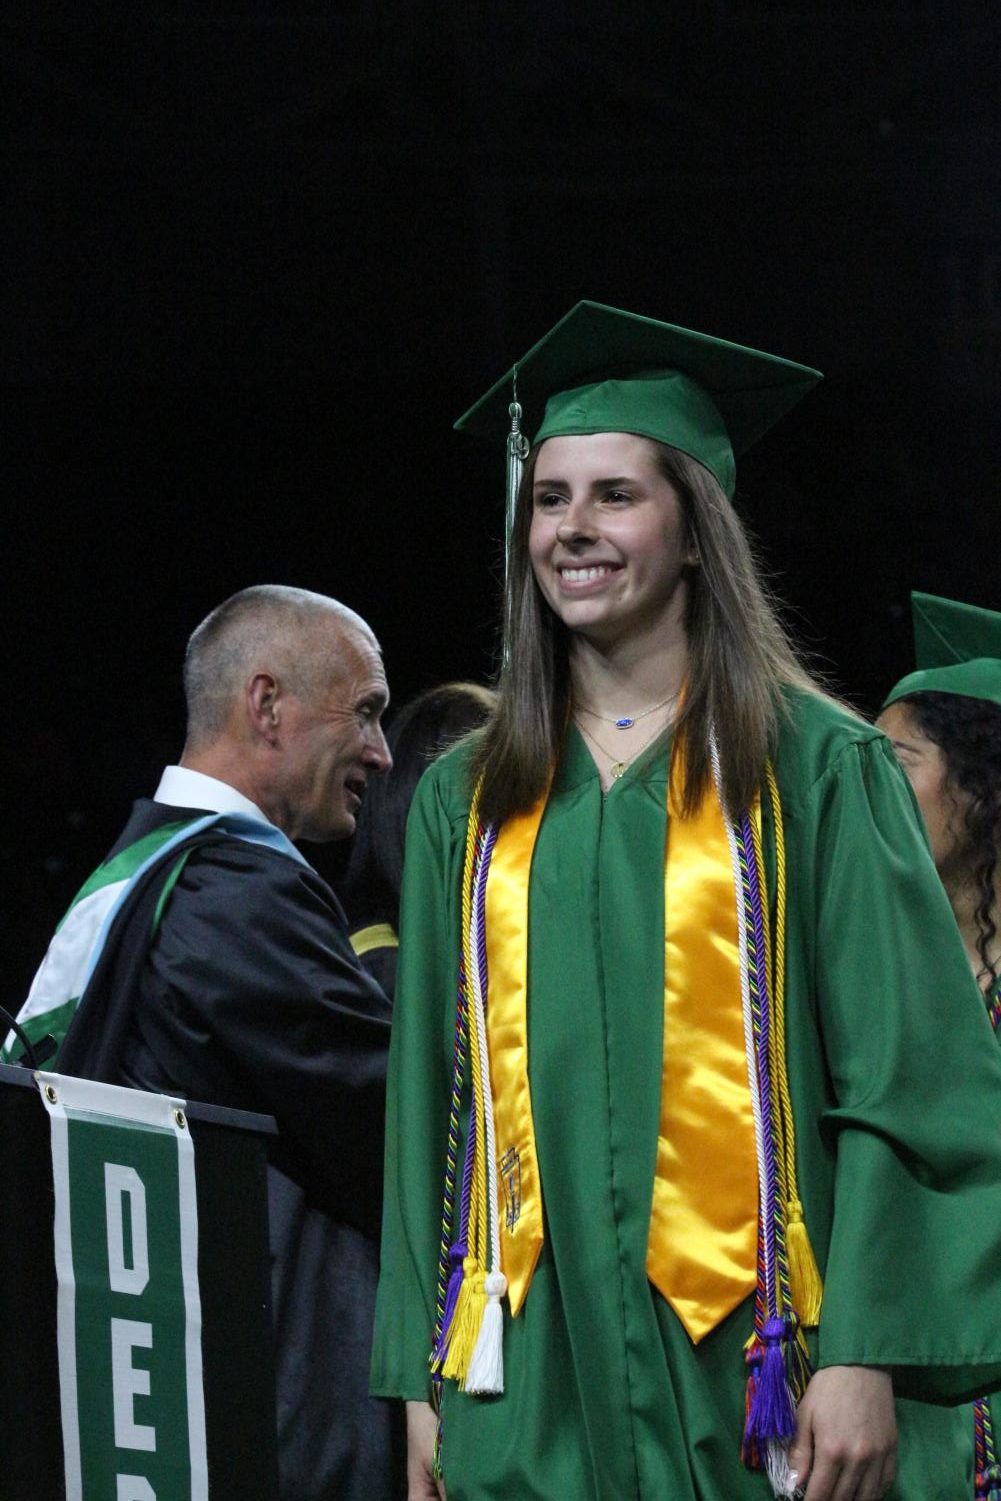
{"x":258,"y":257}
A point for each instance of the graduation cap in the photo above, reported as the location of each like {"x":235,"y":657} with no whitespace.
{"x":957,"y":648}
{"x":604,"y":370}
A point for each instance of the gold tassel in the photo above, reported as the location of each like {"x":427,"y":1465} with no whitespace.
{"x":805,"y":1286}
{"x":466,"y":1321}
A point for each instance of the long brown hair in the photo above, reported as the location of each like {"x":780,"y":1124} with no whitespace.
{"x":739,"y":660}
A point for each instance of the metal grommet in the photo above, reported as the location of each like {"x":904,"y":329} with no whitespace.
{"x":51,"y":1095}
{"x":179,"y":1120}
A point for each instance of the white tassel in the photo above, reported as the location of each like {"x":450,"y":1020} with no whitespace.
{"x":784,"y":1481}
{"x":485,"y":1376}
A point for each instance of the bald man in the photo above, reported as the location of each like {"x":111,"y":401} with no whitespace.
{"x":227,"y":976}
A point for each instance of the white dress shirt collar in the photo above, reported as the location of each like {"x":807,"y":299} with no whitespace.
{"x":180,"y":787}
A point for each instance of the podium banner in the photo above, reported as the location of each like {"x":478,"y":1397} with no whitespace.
{"x":128,"y":1306}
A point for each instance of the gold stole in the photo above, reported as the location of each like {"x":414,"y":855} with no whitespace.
{"x":702,"y":1247}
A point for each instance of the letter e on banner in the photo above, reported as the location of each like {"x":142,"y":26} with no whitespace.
{"x":128,"y":1382}
{"x":121,"y":1181}
{"x":134,"y":1488}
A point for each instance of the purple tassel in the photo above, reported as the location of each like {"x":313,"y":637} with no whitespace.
{"x":772,"y":1414}
{"x":456,"y":1257}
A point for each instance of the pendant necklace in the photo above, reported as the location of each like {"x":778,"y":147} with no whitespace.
{"x":618,"y":768}
{"x":626,"y":721}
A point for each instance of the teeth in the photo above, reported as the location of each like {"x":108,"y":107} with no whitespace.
{"x":584,"y":575}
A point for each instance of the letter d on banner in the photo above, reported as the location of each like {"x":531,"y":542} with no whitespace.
{"x":122,"y":1182}
{"x":128,"y":1308}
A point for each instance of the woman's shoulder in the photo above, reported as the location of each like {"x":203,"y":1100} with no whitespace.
{"x":448,"y":780}
{"x":819,"y":737}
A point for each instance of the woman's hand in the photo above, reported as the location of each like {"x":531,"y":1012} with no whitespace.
{"x":422,"y":1426}
{"x":845,"y":1447}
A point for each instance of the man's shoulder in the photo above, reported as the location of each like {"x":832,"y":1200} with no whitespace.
{"x":148,"y":817}
{"x":227,"y":878}
{"x":247,"y":860}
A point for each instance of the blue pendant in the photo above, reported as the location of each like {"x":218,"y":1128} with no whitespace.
{"x":624,"y":723}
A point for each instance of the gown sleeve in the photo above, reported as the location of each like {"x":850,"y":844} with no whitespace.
{"x":252,"y":997}
{"x":419,"y":1086}
{"x":914,"y":1102}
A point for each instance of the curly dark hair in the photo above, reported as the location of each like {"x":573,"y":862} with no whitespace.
{"x":968,"y":732}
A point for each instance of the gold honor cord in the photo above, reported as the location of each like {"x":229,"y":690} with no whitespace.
{"x":805,"y":1285}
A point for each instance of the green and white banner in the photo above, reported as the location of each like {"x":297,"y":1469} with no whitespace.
{"x":129,"y":1314}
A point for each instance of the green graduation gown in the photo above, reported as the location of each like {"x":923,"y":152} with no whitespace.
{"x":897,"y":1100}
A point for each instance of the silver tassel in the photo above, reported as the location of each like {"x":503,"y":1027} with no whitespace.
{"x":517,"y":452}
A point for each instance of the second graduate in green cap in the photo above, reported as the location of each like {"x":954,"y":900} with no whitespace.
{"x":668,"y":1025}
{"x":945,"y":723}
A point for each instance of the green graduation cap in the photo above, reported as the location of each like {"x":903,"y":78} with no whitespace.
{"x":604,"y":370}
{"x":957,"y":648}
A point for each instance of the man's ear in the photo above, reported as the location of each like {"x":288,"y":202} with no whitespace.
{"x":264,"y":705}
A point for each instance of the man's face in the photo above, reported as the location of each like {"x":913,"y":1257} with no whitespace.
{"x":333,"y":741}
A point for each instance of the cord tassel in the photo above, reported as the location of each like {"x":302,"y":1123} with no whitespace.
{"x":773,"y":1413}
{"x":805,"y":1286}
{"x":456,"y":1256}
{"x":486,"y":1369}
{"x":469,"y":1308}
{"x":783,"y":1480}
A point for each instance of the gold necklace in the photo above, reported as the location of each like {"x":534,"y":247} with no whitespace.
{"x":626,"y":721}
{"x":617,"y":767}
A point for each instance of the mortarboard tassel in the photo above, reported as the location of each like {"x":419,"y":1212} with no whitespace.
{"x":517,"y":452}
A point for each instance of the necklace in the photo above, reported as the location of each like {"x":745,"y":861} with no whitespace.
{"x":626,"y":721}
{"x":618,"y":768}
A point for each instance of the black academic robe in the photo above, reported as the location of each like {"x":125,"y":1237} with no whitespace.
{"x":249,"y":995}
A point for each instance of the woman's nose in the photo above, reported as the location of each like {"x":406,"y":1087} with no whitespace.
{"x":574,"y":524}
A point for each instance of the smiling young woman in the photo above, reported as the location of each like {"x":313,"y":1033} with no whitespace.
{"x":666,"y":1103}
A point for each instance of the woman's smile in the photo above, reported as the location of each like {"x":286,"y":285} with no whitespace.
{"x":584,"y":578}
{"x":608,"y":540}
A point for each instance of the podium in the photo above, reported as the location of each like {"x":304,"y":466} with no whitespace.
{"x":227,"y":1373}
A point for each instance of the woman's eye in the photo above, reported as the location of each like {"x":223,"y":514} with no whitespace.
{"x":618,"y":497}
{"x":549,"y":500}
